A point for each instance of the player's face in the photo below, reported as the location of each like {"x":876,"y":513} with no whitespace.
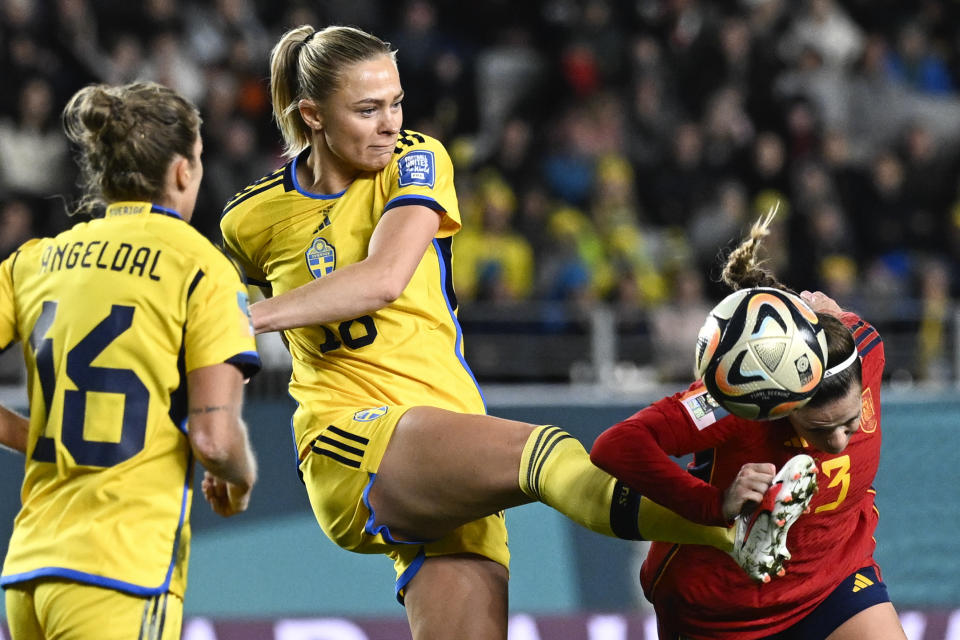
{"x":362,"y":119}
{"x":829,"y":428}
{"x":195,"y":177}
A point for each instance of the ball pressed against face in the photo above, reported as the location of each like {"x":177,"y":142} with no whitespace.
{"x":760,"y":353}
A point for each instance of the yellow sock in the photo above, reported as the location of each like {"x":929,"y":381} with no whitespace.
{"x":556,"y":470}
{"x":660,"y":524}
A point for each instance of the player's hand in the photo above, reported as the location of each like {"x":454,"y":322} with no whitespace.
{"x":747,"y":489}
{"x":821,"y":302}
{"x":225,"y":498}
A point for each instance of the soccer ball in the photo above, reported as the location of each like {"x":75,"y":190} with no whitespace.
{"x":761,"y":353}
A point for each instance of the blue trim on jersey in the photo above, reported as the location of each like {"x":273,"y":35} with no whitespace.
{"x":867,"y":348}
{"x":167,"y":212}
{"x":381,"y":530}
{"x":867,"y":333}
{"x":255,"y":282}
{"x":248,"y":362}
{"x":304,"y":192}
{"x":178,"y":397}
{"x":868,"y":338}
{"x":293,"y":436}
{"x":112,"y":583}
{"x":187,"y":483}
{"x":403,"y":201}
{"x":458,"y":344}
{"x":80,"y":576}
{"x":407,"y":575}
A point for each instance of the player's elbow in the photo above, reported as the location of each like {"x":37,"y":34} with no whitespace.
{"x":389,"y":287}
{"x":211,"y":450}
{"x":214,"y":444}
{"x":601,"y":450}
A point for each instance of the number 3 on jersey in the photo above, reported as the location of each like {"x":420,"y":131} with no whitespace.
{"x":88,"y":378}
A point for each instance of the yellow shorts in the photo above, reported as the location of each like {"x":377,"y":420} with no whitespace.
{"x":339,"y":470}
{"x":68,"y":610}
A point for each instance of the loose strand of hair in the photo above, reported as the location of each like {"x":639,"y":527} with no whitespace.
{"x":743,"y":269}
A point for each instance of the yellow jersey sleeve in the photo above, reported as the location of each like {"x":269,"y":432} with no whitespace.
{"x":422,"y":174}
{"x":8,"y":316}
{"x":236,"y":245}
{"x":8,"y":319}
{"x":218,"y":327}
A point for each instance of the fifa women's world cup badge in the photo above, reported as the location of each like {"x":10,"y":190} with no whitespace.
{"x":804,"y":370}
{"x":321,"y":258}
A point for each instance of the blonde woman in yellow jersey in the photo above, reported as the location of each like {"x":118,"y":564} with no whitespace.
{"x":137,"y":341}
{"x":352,"y":239}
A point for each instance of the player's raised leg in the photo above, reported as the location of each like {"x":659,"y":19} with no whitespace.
{"x":442,"y":469}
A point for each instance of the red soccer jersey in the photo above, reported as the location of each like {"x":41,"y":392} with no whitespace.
{"x":700,"y":591}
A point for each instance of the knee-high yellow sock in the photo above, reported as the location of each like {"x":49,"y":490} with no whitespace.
{"x":556,"y":470}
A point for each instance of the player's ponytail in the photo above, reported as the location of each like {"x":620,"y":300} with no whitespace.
{"x":126,"y":137}
{"x":308,"y":64}
{"x":742,"y":269}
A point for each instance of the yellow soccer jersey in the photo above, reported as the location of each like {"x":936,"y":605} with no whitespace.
{"x":113,"y":314}
{"x":409,"y":352}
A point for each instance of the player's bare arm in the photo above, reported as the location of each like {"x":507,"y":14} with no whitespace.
{"x":13,"y":430}
{"x":219,"y":437}
{"x":396,"y":248}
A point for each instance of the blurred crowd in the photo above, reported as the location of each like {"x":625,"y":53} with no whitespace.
{"x":605,"y":150}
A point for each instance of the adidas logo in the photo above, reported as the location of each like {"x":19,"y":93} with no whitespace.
{"x":861,"y":582}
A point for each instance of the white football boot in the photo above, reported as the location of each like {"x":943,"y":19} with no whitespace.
{"x":760,"y":546}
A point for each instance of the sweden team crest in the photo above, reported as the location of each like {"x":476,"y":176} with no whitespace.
{"x":321,"y":258}
{"x":368,"y":415}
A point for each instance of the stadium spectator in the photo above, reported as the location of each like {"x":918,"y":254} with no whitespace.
{"x":494,"y":263}
{"x":630,"y":244}
{"x":916,"y":65}
{"x":675,"y":324}
{"x":824,"y":27}
{"x":33,"y":154}
{"x":16,"y":226}
{"x":932,"y":352}
{"x":833,"y":587}
{"x":137,"y":343}
{"x":572,"y":268}
{"x":715,"y":225}
{"x":682,"y":183}
{"x":352,"y":240}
